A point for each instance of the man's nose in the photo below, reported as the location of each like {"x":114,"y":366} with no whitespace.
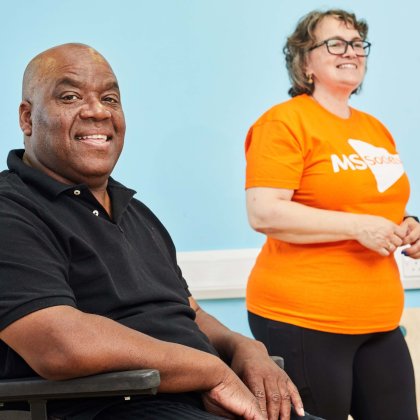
{"x":95,"y":109}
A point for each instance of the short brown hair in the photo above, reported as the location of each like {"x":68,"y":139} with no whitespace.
{"x":302,"y":39}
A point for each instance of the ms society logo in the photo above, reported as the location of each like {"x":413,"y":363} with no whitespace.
{"x":385,"y":167}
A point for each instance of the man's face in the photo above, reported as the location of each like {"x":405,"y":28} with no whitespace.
{"x":75,"y":124}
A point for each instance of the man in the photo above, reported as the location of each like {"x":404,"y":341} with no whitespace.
{"x":88,"y":276}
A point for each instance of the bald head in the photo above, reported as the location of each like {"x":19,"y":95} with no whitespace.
{"x":71,"y":115}
{"x":47,"y":62}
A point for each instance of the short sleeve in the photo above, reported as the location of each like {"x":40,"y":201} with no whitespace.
{"x":33,"y":267}
{"x":273,"y":155}
{"x":183,"y":281}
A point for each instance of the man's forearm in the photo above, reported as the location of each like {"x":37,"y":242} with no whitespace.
{"x":226,"y":341}
{"x":62,"y":342}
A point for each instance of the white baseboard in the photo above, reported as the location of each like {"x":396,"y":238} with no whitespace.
{"x":409,"y":270}
{"x":223,"y":274}
{"x":217,"y":274}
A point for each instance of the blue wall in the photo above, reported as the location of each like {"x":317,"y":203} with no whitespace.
{"x":194,"y":75}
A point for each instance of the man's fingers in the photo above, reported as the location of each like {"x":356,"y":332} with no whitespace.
{"x":296,"y":400}
{"x":285,"y":405}
{"x":290,"y":397}
{"x":276,"y":397}
{"x":272,"y":398}
{"x":258,"y":390}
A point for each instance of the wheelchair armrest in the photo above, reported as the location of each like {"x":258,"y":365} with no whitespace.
{"x":279,"y":361}
{"x":125,"y":383}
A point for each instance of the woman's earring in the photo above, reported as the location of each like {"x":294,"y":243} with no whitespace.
{"x":310,"y":80}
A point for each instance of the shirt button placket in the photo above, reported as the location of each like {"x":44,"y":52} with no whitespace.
{"x":95,"y":212}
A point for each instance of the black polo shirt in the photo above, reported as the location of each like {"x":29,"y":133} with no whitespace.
{"x":60,"y":247}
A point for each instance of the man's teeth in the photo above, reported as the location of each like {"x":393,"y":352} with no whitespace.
{"x":93,"y":137}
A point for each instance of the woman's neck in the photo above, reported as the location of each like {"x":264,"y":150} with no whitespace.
{"x":337,"y":104}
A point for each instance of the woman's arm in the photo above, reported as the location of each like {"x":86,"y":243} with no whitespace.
{"x":271,"y":211}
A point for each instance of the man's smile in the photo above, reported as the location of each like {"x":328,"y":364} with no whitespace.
{"x":94,"y":139}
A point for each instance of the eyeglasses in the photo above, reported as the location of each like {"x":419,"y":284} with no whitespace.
{"x":340,"y":46}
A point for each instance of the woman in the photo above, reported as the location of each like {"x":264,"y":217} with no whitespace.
{"x":326,"y":185}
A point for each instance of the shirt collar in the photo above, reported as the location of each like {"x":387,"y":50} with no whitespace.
{"x":54,"y":188}
{"x":33,"y":176}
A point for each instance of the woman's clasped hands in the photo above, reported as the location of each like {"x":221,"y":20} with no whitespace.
{"x":384,"y":237}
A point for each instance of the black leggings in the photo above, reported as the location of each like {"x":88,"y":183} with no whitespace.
{"x":369,"y":376}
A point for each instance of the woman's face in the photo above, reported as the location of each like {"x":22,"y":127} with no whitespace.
{"x":334,"y":74}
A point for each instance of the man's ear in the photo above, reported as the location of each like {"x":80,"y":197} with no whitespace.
{"x":25,"y":117}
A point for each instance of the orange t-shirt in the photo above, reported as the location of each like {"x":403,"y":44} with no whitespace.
{"x":348,"y":165}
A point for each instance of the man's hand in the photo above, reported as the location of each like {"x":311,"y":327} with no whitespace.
{"x":249,"y":359}
{"x":270,"y":384}
{"x":231,"y":398}
{"x":412,"y":238}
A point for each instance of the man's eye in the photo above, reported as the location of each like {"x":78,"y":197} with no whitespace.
{"x":69,"y":97}
{"x":111,"y":99}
